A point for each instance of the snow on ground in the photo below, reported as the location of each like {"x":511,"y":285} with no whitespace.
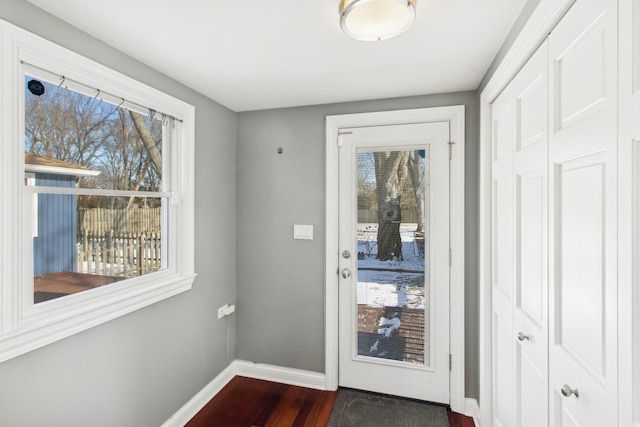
{"x":388,"y":326}
{"x":390,"y":283}
{"x":389,"y":295}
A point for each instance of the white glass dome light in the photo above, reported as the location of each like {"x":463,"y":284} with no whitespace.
{"x":374,"y":20}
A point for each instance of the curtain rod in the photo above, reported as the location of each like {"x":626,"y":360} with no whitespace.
{"x":149,"y":111}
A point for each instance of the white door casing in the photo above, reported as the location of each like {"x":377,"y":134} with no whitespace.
{"x":455,"y":116}
{"x":629,"y":212}
{"x":428,"y":380}
{"x":583,"y":217}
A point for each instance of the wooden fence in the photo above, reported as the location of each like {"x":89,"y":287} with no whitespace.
{"x":371,"y":216}
{"x":119,"y":242}
{"x":127,"y":254}
{"x":135,"y":220}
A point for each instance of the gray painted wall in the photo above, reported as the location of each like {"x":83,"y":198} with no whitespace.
{"x":280,"y":291}
{"x":139,"y":369}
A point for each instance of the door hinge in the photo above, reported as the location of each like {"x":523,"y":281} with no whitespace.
{"x":450,"y":362}
{"x":451,"y":150}
{"x":450,"y":257}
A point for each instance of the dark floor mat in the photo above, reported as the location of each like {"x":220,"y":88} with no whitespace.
{"x":355,"y":408}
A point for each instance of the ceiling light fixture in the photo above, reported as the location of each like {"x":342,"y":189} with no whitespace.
{"x":374,"y":20}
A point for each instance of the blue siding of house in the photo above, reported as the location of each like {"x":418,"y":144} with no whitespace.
{"x":54,"y":249}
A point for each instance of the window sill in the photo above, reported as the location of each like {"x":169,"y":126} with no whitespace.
{"x":54,"y":320}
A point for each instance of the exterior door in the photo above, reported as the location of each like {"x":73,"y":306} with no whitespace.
{"x":394,"y":260}
{"x":583,"y":217}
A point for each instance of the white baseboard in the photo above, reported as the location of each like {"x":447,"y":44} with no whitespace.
{"x":279,"y":374}
{"x":472,"y":409}
{"x":260,"y":371}
{"x":197,"y":402}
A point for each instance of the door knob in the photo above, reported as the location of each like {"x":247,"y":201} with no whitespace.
{"x":522,"y":336}
{"x":567,"y":391}
{"x":346,"y":273}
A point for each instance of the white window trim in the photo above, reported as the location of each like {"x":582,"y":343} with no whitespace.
{"x":26,"y":329}
{"x":30,"y":180}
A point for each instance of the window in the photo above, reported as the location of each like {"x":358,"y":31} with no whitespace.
{"x":97,"y":176}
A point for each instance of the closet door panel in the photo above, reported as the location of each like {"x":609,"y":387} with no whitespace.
{"x":532,"y":385}
{"x":530,"y":88}
{"x":580,"y":76}
{"x":581,"y":284}
{"x":503,"y":260}
{"x":583,"y":227}
{"x":531,"y":245}
{"x":504,"y":370}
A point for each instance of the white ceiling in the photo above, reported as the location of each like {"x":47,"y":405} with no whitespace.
{"x":259,"y":54}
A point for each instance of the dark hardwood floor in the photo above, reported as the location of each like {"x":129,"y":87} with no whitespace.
{"x":247,"y":402}
{"x":459,"y":420}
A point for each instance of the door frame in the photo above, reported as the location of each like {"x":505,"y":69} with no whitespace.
{"x":455,"y":115}
{"x":541,"y":22}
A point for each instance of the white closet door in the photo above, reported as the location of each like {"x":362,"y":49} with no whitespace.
{"x":503,"y":291}
{"x":583,"y":265}
{"x":520,"y":248}
{"x":531,"y":250}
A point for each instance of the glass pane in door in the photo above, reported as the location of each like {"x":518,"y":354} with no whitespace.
{"x":392,"y":280}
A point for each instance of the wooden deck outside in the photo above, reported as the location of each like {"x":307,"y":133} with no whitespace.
{"x":411,"y":328}
{"x":55,"y":285}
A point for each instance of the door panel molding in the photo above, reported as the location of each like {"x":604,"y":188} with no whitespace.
{"x":580,"y":222}
{"x":455,"y":115}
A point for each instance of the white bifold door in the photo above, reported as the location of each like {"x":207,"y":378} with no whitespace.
{"x":583,"y":216}
{"x":554,"y":323}
{"x":520,"y":226}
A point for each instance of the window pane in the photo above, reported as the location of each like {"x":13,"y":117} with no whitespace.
{"x":393,"y":280}
{"x":84,"y":242}
{"x":89,"y":143}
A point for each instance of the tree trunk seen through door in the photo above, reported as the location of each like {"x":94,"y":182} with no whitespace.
{"x":417,"y":187}
{"x":392,"y":173}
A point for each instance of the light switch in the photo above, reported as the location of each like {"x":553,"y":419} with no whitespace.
{"x":303,"y":232}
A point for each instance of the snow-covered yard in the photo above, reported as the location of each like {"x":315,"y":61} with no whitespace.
{"x":397,"y":283}
{"x":391,"y":298}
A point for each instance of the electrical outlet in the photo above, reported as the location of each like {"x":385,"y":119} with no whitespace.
{"x":221,"y":311}
{"x":226,"y":310}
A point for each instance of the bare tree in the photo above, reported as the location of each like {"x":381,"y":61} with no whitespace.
{"x":66,"y":126}
{"x":392,"y":174}
{"x":78,"y":129}
{"x":147,"y":140}
{"x":417,"y":182}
